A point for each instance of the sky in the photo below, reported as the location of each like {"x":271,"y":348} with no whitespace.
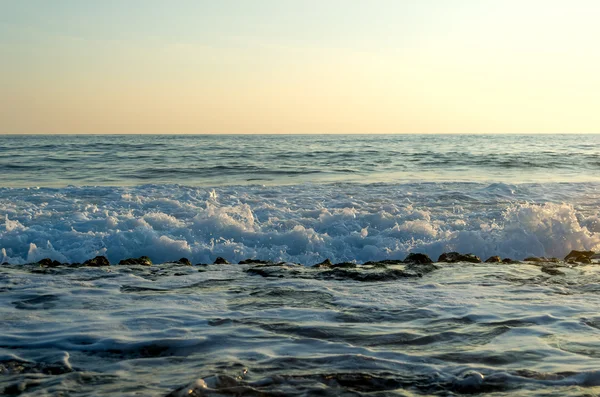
{"x":303,"y":66}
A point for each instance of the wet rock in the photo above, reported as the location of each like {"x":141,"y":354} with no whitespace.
{"x":384,"y":263}
{"x":217,"y":385}
{"x":366,"y":276}
{"x":493,"y":259}
{"x":510,"y":261}
{"x":325,"y":264}
{"x":421,"y":268}
{"x":552,"y":271}
{"x":533,"y":259}
{"x":541,"y":259}
{"x":579,"y":256}
{"x":97,"y":262}
{"x":344,"y":265}
{"x":142,"y":261}
{"x":5,"y":264}
{"x":253,"y":261}
{"x":184,"y":261}
{"x":220,"y":261}
{"x":453,"y":257}
{"x":417,"y":258}
{"x":470,"y":382}
{"x":17,"y":366}
{"x":263,"y":272}
{"x":47,"y":262}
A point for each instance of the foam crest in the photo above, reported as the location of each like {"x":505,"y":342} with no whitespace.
{"x":304,"y":223}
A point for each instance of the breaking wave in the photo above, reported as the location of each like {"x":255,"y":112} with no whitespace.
{"x":301,"y":223}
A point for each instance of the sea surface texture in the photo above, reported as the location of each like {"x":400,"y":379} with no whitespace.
{"x":275,"y":325}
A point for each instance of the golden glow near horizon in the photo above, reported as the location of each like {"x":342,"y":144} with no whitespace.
{"x":310,"y":66}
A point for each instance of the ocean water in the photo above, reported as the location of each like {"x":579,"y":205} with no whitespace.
{"x":289,"y":329}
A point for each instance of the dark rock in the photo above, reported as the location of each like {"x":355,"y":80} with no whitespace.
{"x":220,"y":261}
{"x":344,"y":265}
{"x":421,"y":268}
{"x":509,"y":261}
{"x":326,"y":263}
{"x":384,"y":263}
{"x":453,"y":257}
{"x":17,"y":367}
{"x":142,"y":261}
{"x":47,"y":262}
{"x":533,"y":259}
{"x":552,"y":271}
{"x":579,"y":256}
{"x":388,"y":275}
{"x":97,"y":262}
{"x":541,"y":259}
{"x":493,"y":259}
{"x":580,"y":261}
{"x":184,"y":261}
{"x":253,"y":261}
{"x":259,"y":272}
{"x":417,"y":258}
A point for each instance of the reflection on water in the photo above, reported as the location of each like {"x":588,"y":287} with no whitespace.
{"x":448,"y":329}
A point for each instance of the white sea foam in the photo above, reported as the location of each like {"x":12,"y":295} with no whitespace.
{"x":305,"y":223}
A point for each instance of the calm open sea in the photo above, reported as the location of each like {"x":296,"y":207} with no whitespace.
{"x":209,"y":160}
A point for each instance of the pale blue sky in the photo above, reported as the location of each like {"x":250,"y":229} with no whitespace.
{"x":306,"y":66}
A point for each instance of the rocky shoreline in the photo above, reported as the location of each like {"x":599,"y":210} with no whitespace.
{"x":573,"y":258}
{"x":413,"y":266}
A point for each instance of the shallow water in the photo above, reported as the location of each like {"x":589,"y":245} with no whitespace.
{"x":219,"y":329}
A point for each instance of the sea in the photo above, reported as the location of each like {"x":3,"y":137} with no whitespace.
{"x":362,"y":323}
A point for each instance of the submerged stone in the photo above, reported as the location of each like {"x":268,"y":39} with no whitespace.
{"x":384,"y":263}
{"x":263,"y":272}
{"x":418,"y":258}
{"x":142,"y":260}
{"x":552,"y":271}
{"x":421,"y":268}
{"x":220,"y":261}
{"x":256,"y":261}
{"x":344,"y":265}
{"x":453,"y":257}
{"x":366,"y":276}
{"x":16,"y":367}
{"x":98,"y":261}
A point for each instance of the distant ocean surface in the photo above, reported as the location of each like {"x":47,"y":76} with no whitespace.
{"x":284,"y":328}
{"x":225,"y":160}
